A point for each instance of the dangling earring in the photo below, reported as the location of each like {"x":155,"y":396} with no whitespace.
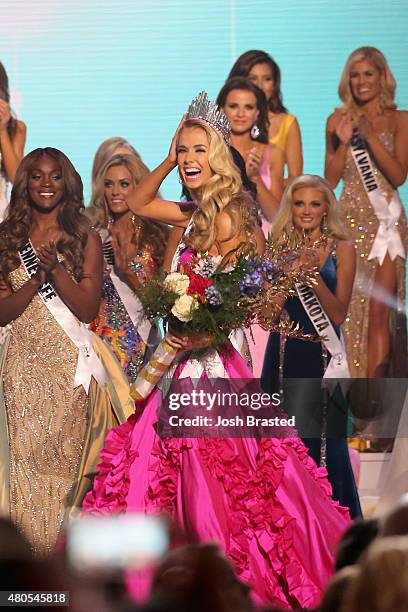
{"x":255,"y":131}
{"x":180,"y":180}
{"x":323,"y":224}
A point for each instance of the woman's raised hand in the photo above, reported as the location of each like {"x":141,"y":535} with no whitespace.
{"x":253,"y":163}
{"x":5,"y":115}
{"x":344,"y":129}
{"x":172,"y":156}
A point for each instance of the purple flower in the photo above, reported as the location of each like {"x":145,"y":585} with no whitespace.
{"x":213,"y":296}
{"x":251,"y":284}
{"x":270,"y":271}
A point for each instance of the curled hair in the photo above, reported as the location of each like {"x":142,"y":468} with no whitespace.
{"x":5,"y":95}
{"x":244,"y":84}
{"x":388,"y":83}
{"x":283,"y":220}
{"x":153,"y":233}
{"x":243,"y":67}
{"x":106,"y":151}
{"x":15,"y":229}
{"x":223,"y":192}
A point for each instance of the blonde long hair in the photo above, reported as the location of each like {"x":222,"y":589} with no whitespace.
{"x":154,"y":234}
{"x":106,"y":151}
{"x":223,"y":192}
{"x":388,"y":83}
{"x":98,"y":210}
{"x":283,"y":220}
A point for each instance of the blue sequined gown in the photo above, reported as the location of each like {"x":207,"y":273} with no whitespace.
{"x":302,"y":364}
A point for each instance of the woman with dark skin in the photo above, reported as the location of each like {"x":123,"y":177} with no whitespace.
{"x":47,"y":444}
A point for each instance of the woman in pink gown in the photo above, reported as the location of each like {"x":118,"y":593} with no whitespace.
{"x":263,"y":500}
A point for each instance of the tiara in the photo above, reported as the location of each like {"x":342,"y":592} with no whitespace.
{"x":202,"y":108}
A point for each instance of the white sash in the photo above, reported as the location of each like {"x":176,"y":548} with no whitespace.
{"x":387,"y":238}
{"x":131,"y":302}
{"x":338,"y":366}
{"x":88,"y":364}
{"x":210,"y":363}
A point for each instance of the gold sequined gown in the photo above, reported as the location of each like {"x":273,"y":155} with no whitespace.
{"x":359,"y":218}
{"x":50,"y":424}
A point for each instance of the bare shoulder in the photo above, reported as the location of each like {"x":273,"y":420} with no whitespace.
{"x":21,"y":127}
{"x":401,"y":119}
{"x":276,"y":154}
{"x":223,"y":225}
{"x":333,"y":120}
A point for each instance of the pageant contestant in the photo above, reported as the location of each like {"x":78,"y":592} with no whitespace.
{"x":264,"y":501}
{"x":12,"y":141}
{"x":117,"y":145}
{"x":54,"y":384}
{"x":246,"y":108}
{"x":309,"y":207}
{"x":284,"y":131}
{"x":133,"y":250}
{"x":367,"y":143}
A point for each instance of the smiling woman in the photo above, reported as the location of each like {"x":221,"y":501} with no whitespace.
{"x":366,"y":147}
{"x":246,"y":107}
{"x":144,"y":472}
{"x":309,"y":208}
{"x":54,"y":377}
{"x":284,"y":131}
{"x":133,"y":250}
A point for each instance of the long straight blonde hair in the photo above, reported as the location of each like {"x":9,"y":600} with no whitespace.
{"x":283,"y":220}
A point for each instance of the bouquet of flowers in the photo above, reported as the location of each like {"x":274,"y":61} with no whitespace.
{"x":207,"y":295}
{"x":213,"y":296}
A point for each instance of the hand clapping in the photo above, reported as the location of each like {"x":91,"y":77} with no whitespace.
{"x":4,"y":115}
{"x":365,"y":127}
{"x":344,"y":129}
{"x":253,"y":163}
{"x":48,"y":259}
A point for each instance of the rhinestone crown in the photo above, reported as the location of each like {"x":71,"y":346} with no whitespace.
{"x":202,"y":108}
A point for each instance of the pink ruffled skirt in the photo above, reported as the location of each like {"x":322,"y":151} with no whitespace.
{"x":264,"y":501}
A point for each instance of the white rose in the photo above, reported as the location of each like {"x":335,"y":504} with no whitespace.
{"x":183,"y":308}
{"x":177,"y":282}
